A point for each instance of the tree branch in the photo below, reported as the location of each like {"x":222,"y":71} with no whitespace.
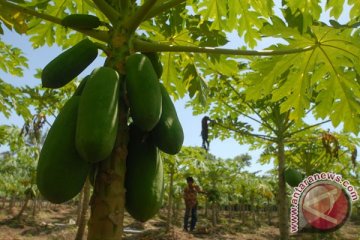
{"x":288,"y":123}
{"x":308,"y":127}
{"x":156,"y":10}
{"x":108,"y":10}
{"x":264,"y":137}
{"x":135,"y":20}
{"x":99,"y":35}
{"x":240,"y":113}
{"x":144,"y":46}
{"x":262,"y":122}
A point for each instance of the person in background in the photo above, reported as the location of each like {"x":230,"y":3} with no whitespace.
{"x":190,"y":198}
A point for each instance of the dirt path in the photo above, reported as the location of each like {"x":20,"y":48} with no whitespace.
{"x":58,"y":223}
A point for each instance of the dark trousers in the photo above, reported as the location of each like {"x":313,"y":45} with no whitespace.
{"x":190,"y":211}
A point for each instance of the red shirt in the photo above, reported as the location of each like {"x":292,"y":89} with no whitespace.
{"x":190,"y":194}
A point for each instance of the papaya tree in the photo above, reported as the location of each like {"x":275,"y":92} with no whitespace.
{"x":317,"y":57}
{"x":311,"y":153}
{"x":232,"y":179}
{"x":19,"y":164}
{"x":261,"y":123}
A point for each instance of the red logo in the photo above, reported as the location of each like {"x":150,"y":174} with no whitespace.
{"x":325,"y":206}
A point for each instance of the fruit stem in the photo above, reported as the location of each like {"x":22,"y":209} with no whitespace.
{"x":108,"y":10}
{"x":135,"y":20}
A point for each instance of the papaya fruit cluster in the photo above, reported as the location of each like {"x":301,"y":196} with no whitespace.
{"x":155,"y":128}
{"x":84,"y":132}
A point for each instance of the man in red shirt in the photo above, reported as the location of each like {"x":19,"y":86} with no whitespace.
{"x":190,"y":194}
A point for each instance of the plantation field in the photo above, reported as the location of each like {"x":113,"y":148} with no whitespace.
{"x":57,"y":222}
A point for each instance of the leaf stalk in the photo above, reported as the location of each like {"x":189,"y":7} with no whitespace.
{"x":108,"y":10}
{"x":139,"y":16}
{"x":143,"y":46}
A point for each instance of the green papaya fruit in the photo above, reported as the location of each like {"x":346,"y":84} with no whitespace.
{"x":155,"y":61}
{"x":168,"y":134}
{"x":143,"y":92}
{"x":69,"y":64}
{"x":144,"y":177}
{"x":293,"y":177}
{"x":81,"y":86}
{"x":97,"y":121}
{"x":82,"y":21}
{"x":61,"y":172}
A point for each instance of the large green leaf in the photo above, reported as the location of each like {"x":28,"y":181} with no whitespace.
{"x":328,"y":71}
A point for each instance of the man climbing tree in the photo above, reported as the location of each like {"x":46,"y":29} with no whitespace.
{"x":205,"y":132}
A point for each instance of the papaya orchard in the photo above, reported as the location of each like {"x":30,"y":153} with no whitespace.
{"x":155,"y":48}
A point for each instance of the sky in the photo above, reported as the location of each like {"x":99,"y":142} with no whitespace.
{"x":38,"y":58}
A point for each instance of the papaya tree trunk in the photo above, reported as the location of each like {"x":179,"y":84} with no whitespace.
{"x":282,"y":198}
{"x":206,"y":208}
{"x":84,"y":210}
{"x":24,"y":206}
{"x":175,"y":212}
{"x":170,"y":202}
{"x":253,"y":213}
{"x":108,"y":199}
{"x":12,"y":202}
{"x":213,"y":218}
{"x":79,"y":206}
{"x":268,"y":211}
{"x":230,"y":210}
{"x":34,"y":207}
{"x":3,"y":202}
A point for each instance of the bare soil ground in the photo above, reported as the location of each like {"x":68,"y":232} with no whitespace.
{"x":58,"y":223}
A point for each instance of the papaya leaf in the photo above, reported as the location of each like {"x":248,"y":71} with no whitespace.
{"x":245,"y":17}
{"x":12,"y":59}
{"x":249,"y":22}
{"x":203,"y":35}
{"x":11,"y":99}
{"x":355,"y":8}
{"x":336,"y":7}
{"x":264,"y":8}
{"x":14,"y":20}
{"x":310,"y":11}
{"x":170,"y":76}
{"x":196,"y":85}
{"x":215,"y":11}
